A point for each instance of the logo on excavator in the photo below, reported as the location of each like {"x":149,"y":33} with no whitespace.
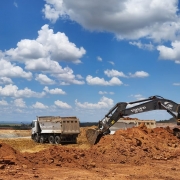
{"x":168,"y":105}
{"x":138,"y":110}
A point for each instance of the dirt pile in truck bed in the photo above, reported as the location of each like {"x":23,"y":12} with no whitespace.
{"x":132,"y":146}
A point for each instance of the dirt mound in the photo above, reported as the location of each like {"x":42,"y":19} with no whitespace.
{"x":137,"y":145}
{"x":132,"y":146}
{"x":9,"y":156}
{"x":7,"y":151}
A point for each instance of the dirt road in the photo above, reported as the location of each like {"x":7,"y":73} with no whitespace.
{"x":136,"y":153}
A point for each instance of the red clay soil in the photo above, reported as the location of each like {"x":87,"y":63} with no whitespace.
{"x":134,"y":146}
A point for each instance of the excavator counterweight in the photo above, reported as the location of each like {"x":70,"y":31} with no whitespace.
{"x":120,"y":110}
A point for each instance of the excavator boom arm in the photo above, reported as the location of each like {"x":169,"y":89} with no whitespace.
{"x":153,"y":103}
{"x":120,"y":110}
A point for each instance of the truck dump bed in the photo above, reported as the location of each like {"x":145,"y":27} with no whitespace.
{"x":57,"y":124}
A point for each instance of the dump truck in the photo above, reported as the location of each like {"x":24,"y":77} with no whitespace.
{"x":120,"y":110}
{"x":55,"y":129}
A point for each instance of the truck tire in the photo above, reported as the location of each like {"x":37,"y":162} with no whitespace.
{"x":36,"y":138}
{"x":57,"y":140}
{"x":42,"y":139}
{"x":51,"y":139}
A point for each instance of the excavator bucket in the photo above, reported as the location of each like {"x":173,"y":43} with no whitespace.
{"x":93,"y":136}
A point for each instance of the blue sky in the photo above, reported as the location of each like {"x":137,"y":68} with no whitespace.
{"x":80,"y":58}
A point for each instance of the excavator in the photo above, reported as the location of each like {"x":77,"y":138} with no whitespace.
{"x":120,"y":110}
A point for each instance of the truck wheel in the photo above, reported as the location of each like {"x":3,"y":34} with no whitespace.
{"x":36,"y":138}
{"x":42,"y":140}
{"x":57,"y":140}
{"x":51,"y":139}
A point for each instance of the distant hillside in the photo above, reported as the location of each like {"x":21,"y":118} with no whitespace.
{"x":23,"y":126}
{"x":87,"y":124}
{"x":171,"y":120}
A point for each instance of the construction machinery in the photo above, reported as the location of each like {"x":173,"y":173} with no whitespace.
{"x":120,"y":110}
{"x":55,"y":129}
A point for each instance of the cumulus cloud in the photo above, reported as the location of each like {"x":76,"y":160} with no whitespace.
{"x":78,"y":76}
{"x":3,"y":103}
{"x":44,"y":54}
{"x":13,"y":91}
{"x":69,"y":78}
{"x":19,"y":103}
{"x":53,"y":9}
{"x":104,"y":92}
{"x":103,"y":103}
{"x":64,"y":75}
{"x":140,"y":45}
{"x":54,"y":91}
{"x":43,"y":79}
{"x":126,"y":19}
{"x":9,"y":70}
{"x":62,"y":105}
{"x":46,"y":65}
{"x":139,"y":74}
{"x":170,"y":53}
{"x":138,"y":96}
{"x":39,"y":105}
{"x":5,"y":80}
{"x":56,"y":47}
{"x":101,"y":82}
{"x":114,"y":73}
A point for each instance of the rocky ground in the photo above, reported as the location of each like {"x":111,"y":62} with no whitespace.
{"x":136,"y":153}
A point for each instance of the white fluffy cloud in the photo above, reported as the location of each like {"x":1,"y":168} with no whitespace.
{"x":138,"y":96}
{"x":170,"y":53}
{"x":54,"y":91}
{"x":103,"y":103}
{"x":5,"y":80}
{"x":139,"y":74}
{"x":114,"y":73}
{"x":53,"y":9}
{"x":43,"y":79}
{"x":3,"y":103}
{"x":19,"y":103}
{"x":56,"y":47}
{"x":131,"y":19}
{"x":140,"y":45}
{"x":62,"y":105}
{"x":104,"y":92}
{"x":101,"y":82}
{"x":69,"y":78}
{"x":9,"y":70}
{"x":39,"y":105}
{"x":13,"y":91}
